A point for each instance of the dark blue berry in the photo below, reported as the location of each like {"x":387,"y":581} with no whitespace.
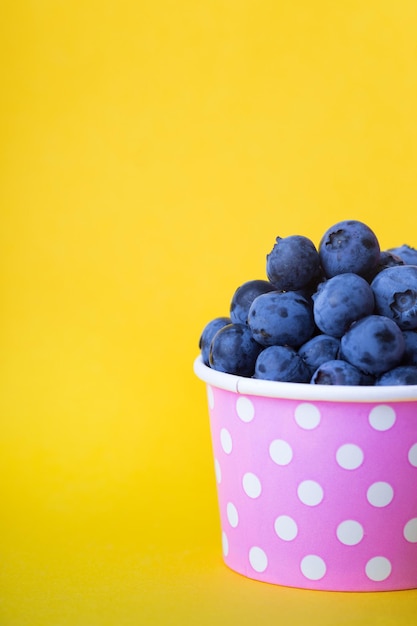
{"x":281,"y":363}
{"x":401,"y":375}
{"x":395,"y":291}
{"x":410,"y":352}
{"x":281,"y":318}
{"x":318,"y":350}
{"x":293,"y":263}
{"x":208,"y":333}
{"x":337,"y":372}
{"x":406,"y":253}
{"x":374,"y":344}
{"x":244,"y":296}
{"x":233,"y":350}
{"x":349,"y":246}
{"x":340,"y":301}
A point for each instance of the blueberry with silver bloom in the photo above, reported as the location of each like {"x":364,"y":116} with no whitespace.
{"x":395,"y":291}
{"x":349,"y":246}
{"x":340,"y":301}
{"x":293,"y":263}
{"x":407,"y":253}
{"x":374,"y":344}
{"x":281,"y":318}
{"x":281,"y":363}
{"x":318,"y":350}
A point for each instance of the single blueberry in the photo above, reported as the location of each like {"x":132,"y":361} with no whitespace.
{"x":233,"y":350}
{"x":281,"y":363}
{"x":293,"y":263}
{"x":340,"y":301}
{"x":318,"y":350}
{"x":337,"y":372}
{"x":406,"y":253}
{"x":400,"y":375}
{"x":349,"y":246}
{"x":208,"y":333}
{"x":374,"y":344}
{"x":281,"y":318}
{"x":244,"y":296}
{"x":395,"y":291}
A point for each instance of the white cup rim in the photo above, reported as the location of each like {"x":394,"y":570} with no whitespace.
{"x":304,"y":391}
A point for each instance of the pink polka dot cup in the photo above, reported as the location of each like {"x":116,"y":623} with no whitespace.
{"x":317,"y":484}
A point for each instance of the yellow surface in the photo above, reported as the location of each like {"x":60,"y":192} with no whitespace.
{"x":150,"y":154}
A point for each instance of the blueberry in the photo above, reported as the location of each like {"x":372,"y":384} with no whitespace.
{"x":410,"y":352}
{"x":337,"y":372}
{"x":208,"y":333}
{"x":401,"y":375}
{"x":293,"y":263}
{"x":281,"y":318}
{"x":386,"y":259}
{"x":318,"y":350}
{"x":244,"y":296}
{"x":281,"y":363}
{"x":406,"y":253}
{"x":233,"y":350}
{"x":374,"y":344}
{"x":395,"y":291}
{"x":340,"y":301}
{"x":349,"y":246}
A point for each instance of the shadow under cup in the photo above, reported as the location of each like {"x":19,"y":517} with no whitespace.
{"x":316,"y":484}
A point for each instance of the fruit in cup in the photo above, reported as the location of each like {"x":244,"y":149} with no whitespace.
{"x":344,"y":313}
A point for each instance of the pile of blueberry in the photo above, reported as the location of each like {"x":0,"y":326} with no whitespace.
{"x":344,"y":313}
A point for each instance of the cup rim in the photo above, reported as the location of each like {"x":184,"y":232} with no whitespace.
{"x":303,"y":391}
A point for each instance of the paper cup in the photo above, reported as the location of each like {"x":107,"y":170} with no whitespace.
{"x":317,"y":484}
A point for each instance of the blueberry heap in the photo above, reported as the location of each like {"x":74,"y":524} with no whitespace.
{"x":344,"y":313}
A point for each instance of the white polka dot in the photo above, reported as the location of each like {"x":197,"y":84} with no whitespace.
{"x":349,"y":456}
{"x":382,"y":417}
{"x":225,"y":544}
{"x":232,"y":514}
{"x":349,"y":532}
{"x":313,"y":567}
{"x":378,"y":568}
{"x":245,"y":409}
{"x":310,"y":492}
{"x":380,"y":494}
{"x":280,"y":452}
{"x":210,"y":396}
{"x":410,"y":530}
{"x":286,"y":528}
{"x":218,"y":471}
{"x":412,"y":455}
{"x":226,"y":440}
{"x":307,"y":416}
{"x":251,"y":485}
{"x":258,"y":559}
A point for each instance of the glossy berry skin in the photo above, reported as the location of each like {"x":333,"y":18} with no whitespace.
{"x":406,"y":253}
{"x":395,"y":291}
{"x":208,"y":333}
{"x":401,"y":375}
{"x":340,"y":301}
{"x":374,"y":344}
{"x":337,"y":372}
{"x":410,"y":352}
{"x":281,"y":318}
{"x":293,"y":263}
{"x":318,"y":350}
{"x":349,"y":246}
{"x":244,"y":296}
{"x":233,"y":350}
{"x":281,"y":363}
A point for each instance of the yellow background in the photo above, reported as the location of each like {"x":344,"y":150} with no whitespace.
{"x":150,"y":154}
